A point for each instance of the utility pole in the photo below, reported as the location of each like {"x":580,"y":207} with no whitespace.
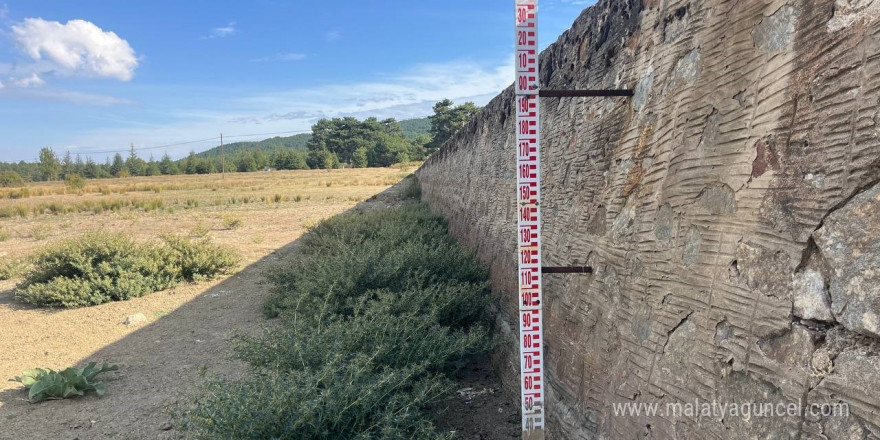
{"x":222,"y":160}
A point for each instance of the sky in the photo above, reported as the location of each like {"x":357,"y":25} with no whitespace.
{"x":93,"y":77}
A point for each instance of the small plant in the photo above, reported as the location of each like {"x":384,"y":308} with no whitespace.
{"x":40,"y":232}
{"x":20,"y":210}
{"x":48,"y":384}
{"x":75,"y":181}
{"x":230,"y":222}
{"x":200,"y":229}
{"x":277,"y":198}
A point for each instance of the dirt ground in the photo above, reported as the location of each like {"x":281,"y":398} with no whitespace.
{"x":480,"y":409}
{"x":188,"y":328}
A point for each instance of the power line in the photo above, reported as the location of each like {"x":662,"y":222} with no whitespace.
{"x":149,"y":148}
{"x":269,"y":134}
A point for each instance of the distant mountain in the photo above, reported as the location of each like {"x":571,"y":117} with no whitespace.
{"x":412,"y":128}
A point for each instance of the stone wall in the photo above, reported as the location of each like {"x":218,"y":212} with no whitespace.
{"x":730,"y":209}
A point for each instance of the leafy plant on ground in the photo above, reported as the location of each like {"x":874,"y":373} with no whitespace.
{"x":373,"y":311}
{"x":48,"y":384}
{"x":98,"y":267}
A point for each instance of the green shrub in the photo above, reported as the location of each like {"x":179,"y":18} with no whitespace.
{"x":10,"y":178}
{"x":393,"y":248}
{"x":75,"y":181}
{"x":373,"y":310}
{"x":199,"y":260}
{"x":98,"y":267}
{"x":413,"y":190}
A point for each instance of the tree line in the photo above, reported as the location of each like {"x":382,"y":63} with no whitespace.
{"x":334,"y":143}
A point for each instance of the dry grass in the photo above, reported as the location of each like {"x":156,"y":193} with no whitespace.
{"x":268,"y":208}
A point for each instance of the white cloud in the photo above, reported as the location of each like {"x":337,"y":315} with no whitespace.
{"x":55,"y":95}
{"x":407,"y":94}
{"x":76,"y":48}
{"x":410,"y":93}
{"x":332,"y":36}
{"x":4,"y":10}
{"x":28,"y":82}
{"x":280,"y":57}
{"x":1,"y":85}
{"x":223,"y":31}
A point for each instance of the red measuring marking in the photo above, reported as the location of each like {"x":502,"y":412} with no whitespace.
{"x":528,"y":175}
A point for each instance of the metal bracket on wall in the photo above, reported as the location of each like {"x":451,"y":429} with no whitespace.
{"x":566,"y":269}
{"x":551,"y":93}
{"x":545,"y":93}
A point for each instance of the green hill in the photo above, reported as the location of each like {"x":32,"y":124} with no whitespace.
{"x":296,"y":142}
{"x":412,"y":128}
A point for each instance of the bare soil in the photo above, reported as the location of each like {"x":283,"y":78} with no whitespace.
{"x":480,"y":409}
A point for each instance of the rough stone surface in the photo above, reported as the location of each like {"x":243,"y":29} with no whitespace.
{"x":753,"y":125}
{"x":849,"y":241}
{"x":810,"y":297}
{"x":848,"y":12}
{"x":776,"y":32}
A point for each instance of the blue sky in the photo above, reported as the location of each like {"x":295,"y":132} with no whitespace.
{"x":93,"y":76}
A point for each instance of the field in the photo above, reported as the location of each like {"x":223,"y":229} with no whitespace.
{"x":187,"y":329}
{"x":272,"y":206}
